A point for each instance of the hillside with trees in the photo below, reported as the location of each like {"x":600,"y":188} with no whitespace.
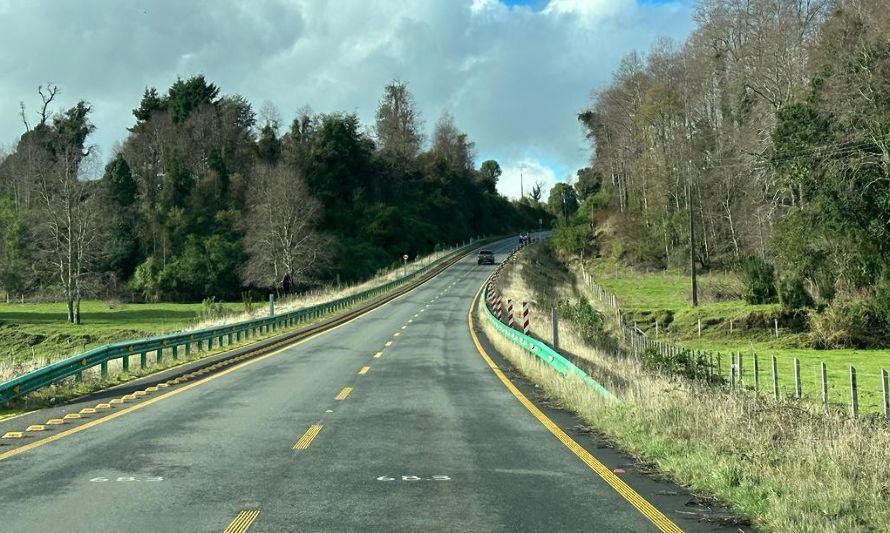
{"x":206,"y":198}
{"x":766,"y":137}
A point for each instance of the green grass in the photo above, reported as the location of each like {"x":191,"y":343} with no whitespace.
{"x":646,"y":296}
{"x":29,"y":331}
{"x":787,"y":467}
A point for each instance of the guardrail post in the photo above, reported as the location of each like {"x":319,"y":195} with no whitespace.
{"x":824,"y":375}
{"x":78,"y":377}
{"x":188,"y":349}
{"x":143,"y":360}
{"x":159,"y":355}
{"x":775,"y":379}
{"x":174,"y":352}
{"x":103,"y":369}
{"x":125,"y":363}
{"x":797,"y":391}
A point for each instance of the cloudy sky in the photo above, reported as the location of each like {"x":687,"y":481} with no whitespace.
{"x":514,"y":73}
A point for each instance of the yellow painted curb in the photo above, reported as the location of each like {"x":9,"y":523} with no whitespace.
{"x":151,"y":389}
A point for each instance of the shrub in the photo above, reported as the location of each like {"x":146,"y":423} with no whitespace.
{"x":211,"y":309}
{"x":590,"y":323}
{"x":760,"y":281}
{"x":847,"y":322}
{"x":792,"y":294}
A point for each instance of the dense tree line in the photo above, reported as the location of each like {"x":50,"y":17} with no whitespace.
{"x":769,"y":128}
{"x":204,"y":198}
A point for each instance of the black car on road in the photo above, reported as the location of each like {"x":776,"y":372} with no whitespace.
{"x":485,"y":257}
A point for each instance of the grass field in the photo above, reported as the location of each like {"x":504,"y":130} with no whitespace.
{"x":39,"y":331}
{"x":647,"y":296}
{"x":786,"y":466}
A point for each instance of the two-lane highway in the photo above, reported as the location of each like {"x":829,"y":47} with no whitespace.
{"x":391,"y":422}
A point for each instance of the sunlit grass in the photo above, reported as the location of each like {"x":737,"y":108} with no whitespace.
{"x":786,"y":465}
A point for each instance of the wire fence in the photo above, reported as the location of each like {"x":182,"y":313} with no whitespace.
{"x":752,"y":372}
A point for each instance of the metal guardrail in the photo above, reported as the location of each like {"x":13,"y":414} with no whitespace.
{"x":124,"y":350}
{"x":537,"y":348}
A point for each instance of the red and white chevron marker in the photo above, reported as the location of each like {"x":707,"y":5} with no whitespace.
{"x":510,"y":312}
{"x":525,"y":317}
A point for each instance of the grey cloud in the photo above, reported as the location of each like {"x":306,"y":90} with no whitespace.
{"x":514,"y":78}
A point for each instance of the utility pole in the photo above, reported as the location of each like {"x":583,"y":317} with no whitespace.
{"x":691,"y":240}
{"x":521,"y":187}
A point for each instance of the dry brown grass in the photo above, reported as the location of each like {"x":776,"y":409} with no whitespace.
{"x":785,"y":466}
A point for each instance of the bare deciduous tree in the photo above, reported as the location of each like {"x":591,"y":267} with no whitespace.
{"x":70,"y":225}
{"x":281,"y":240}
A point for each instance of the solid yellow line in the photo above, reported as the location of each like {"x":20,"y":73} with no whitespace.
{"x":242,"y":521}
{"x":308,"y":437}
{"x":648,"y":510}
{"x":364,"y":370}
{"x":344,"y":393}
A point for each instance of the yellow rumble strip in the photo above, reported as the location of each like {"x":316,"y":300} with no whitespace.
{"x":307,"y":437}
{"x":242,"y":521}
{"x":344,"y":393}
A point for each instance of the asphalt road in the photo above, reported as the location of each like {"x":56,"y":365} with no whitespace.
{"x":424,"y":437}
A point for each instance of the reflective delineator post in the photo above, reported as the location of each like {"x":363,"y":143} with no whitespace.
{"x":525,"y":317}
{"x":510,"y":312}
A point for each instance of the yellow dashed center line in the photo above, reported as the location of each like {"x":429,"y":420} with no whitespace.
{"x":364,"y":370}
{"x":396,"y":334}
{"x":242,"y":521}
{"x":388,"y":344}
{"x":344,"y":393}
{"x":404,"y":327}
{"x":307,"y":437}
{"x":378,"y":355}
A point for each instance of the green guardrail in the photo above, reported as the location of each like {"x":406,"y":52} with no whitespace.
{"x":543,"y":352}
{"x":124,"y":350}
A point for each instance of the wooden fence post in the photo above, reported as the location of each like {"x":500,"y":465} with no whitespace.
{"x":775,"y":379}
{"x":732,"y":370}
{"x":885,"y":394}
{"x":854,"y":393}
{"x":797,"y":391}
{"x":756,"y":376}
{"x":740,"y":361}
{"x":824,"y":387}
